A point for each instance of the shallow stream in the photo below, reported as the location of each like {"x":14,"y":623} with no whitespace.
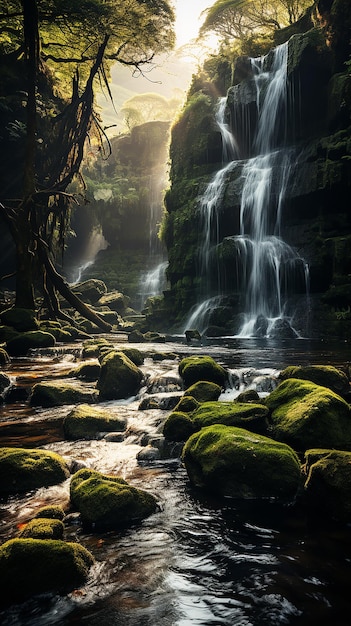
{"x":198,"y":561}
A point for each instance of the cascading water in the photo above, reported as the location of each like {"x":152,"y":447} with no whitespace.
{"x":266,"y":266}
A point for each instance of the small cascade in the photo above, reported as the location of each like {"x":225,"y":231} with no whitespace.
{"x":153,"y":282}
{"x":267,"y":270}
{"x":95,"y":243}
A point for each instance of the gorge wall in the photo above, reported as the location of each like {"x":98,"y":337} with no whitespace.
{"x":315,"y":215}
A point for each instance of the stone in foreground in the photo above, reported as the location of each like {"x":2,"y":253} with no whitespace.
{"x":234,"y":462}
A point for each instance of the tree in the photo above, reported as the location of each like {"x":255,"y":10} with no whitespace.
{"x":148,"y":107}
{"x":239,"y":19}
{"x":86,"y":37}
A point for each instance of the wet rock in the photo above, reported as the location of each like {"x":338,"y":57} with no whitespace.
{"x":307,"y":415}
{"x":249,"y":395}
{"x":281,"y":329}
{"x":57,"y":393}
{"x":204,"y":391}
{"x":119,"y":377}
{"x":90,"y":290}
{"x":116,"y":301}
{"x":328,"y":483}
{"x":43,"y":528}
{"x":6,"y":333}
{"x":191,"y":335}
{"x":324,"y":375}
{"x":33,"y":566}
{"x":22,"y":469}
{"x":109,"y":501}
{"x":136,"y":336}
{"x":20,"y":319}
{"x":178,"y":426}
{"x":187,"y":404}
{"x":87,"y":371}
{"x":4,"y":357}
{"x":234,"y":462}
{"x":20,"y":345}
{"x":193,"y":369}
{"x":86,"y":422}
{"x":245,"y":415}
{"x":51,"y":511}
{"x":148,"y":455}
{"x":134,"y":355}
{"x":5,"y":383}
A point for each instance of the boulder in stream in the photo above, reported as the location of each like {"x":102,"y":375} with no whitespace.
{"x":33,"y":566}
{"x":59,"y":393}
{"x":328,"y":483}
{"x":234,"y":462}
{"x":119,"y":377}
{"x":204,"y":391}
{"x":86,"y":422}
{"x":324,"y":375}
{"x":43,"y":528}
{"x":23,"y":469}
{"x":246,"y":415}
{"x":21,"y":344}
{"x":109,"y":501}
{"x":20,"y":319}
{"x":305,"y":415}
{"x":193,"y":369}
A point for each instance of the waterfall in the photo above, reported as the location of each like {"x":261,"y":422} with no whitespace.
{"x":153,"y":282}
{"x":267,"y":268}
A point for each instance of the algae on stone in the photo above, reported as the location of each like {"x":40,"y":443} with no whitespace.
{"x":24,"y":469}
{"x":324,"y":375}
{"x":119,"y":377}
{"x":243,"y":414}
{"x":109,"y":501}
{"x":58,"y":393}
{"x":193,"y":369}
{"x":85,"y":422}
{"x":33,"y":566}
{"x":204,"y":391}
{"x":328,"y":483}
{"x":178,"y":426}
{"x":235,"y":462}
{"x":306,"y":415}
{"x":43,"y":528}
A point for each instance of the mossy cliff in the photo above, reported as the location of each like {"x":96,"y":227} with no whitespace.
{"x":316,"y":219}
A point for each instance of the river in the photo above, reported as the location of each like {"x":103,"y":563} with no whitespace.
{"x":197,"y":561}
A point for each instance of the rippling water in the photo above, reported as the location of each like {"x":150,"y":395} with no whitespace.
{"x":197,"y":561}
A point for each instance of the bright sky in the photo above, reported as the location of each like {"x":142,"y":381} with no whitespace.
{"x":188,"y":19}
{"x":171,"y":73}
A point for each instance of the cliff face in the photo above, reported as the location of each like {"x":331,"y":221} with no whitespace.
{"x":316,"y":218}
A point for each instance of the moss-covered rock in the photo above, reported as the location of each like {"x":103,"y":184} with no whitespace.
{"x":243,"y":414}
{"x":134,"y":355}
{"x":33,"y":566}
{"x":86,"y":422}
{"x":43,"y":528}
{"x":5,"y":382}
{"x":21,"y":344}
{"x":193,"y":369}
{"x":119,"y":377}
{"x":109,"y":501}
{"x":178,"y":426}
{"x":307,"y":415}
{"x":328,"y":483}
{"x":60,"y":334}
{"x":4,"y":357}
{"x":23,"y":470}
{"x":187,"y":404}
{"x":90,"y":290}
{"x":51,"y":511}
{"x":234,"y":462}
{"x":59,"y":393}
{"x":116,"y":301}
{"x":204,"y":391}
{"x":20,"y":319}
{"x":324,"y":375}
{"x":87,"y":371}
{"x":6,"y":333}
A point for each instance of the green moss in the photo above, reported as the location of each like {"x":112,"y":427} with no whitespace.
{"x":306,"y":415}
{"x":237,"y":463}
{"x":86,"y":422}
{"x":23,"y":470}
{"x":87,"y":371}
{"x":250,"y":416}
{"x":134,"y":355}
{"x":51,"y":511}
{"x":49,"y":394}
{"x":21,"y":344}
{"x":108,"y":501}
{"x":20,"y":319}
{"x":178,"y":426}
{"x":324,"y":375}
{"x":119,"y":377}
{"x":32,"y":566}
{"x":328,"y":483}
{"x":193,"y":369}
{"x":43,"y":528}
{"x":187,"y":404}
{"x":204,"y":391}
